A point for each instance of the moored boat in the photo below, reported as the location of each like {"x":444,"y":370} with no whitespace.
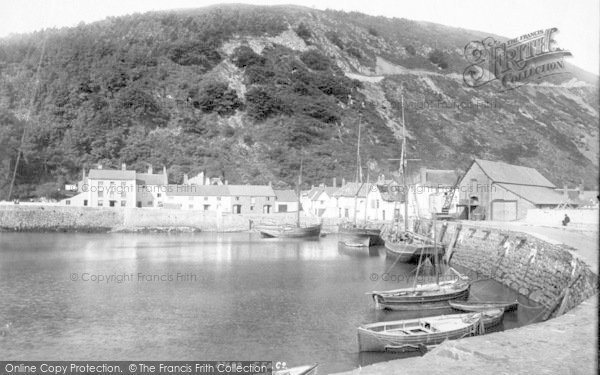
{"x":491,"y":318}
{"x":408,"y":248}
{"x":422,"y":297}
{"x":290,"y":231}
{"x":300,"y":370}
{"x":483,"y":305}
{"x":417,"y":334}
{"x":359,"y":236}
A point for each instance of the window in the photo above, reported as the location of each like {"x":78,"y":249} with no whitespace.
{"x":123,"y":203}
{"x":123,"y":194}
{"x":205,"y":198}
{"x":268,"y":198}
{"x":206,"y":207}
{"x":283,"y":208}
{"x":100,"y":203}
{"x":191,"y":206}
{"x":346,"y":213}
{"x":377,"y":203}
{"x":100,"y":193}
{"x":100,"y":183}
{"x":251,"y":208}
{"x":158,"y":195}
{"x":68,"y":202}
{"x":219,"y":199}
{"x":237,"y":198}
{"x":85,"y":202}
{"x":139,"y":204}
{"x":149,"y":203}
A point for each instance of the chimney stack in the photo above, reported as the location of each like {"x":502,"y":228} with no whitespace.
{"x":185,"y":178}
{"x":150,"y":169}
{"x":99,"y":166}
{"x":123,"y":166}
{"x":270,"y":185}
{"x":581,"y":187}
{"x":226,"y":182}
{"x":343,"y":182}
{"x":334,"y":182}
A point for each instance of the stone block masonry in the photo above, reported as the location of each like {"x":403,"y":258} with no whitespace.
{"x":91,"y":219}
{"x":546,"y":273}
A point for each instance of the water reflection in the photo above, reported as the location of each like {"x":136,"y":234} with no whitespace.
{"x":280,"y":299}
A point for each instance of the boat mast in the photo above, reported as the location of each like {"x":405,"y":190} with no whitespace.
{"x":403,"y":168}
{"x":299,"y":191}
{"x":358,"y":176}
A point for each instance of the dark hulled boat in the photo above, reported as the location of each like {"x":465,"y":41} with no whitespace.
{"x":409,"y":247}
{"x":291,"y":231}
{"x":359,"y":236}
{"x":422,"y":297}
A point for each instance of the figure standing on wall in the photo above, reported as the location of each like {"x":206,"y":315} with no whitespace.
{"x":566,"y":220}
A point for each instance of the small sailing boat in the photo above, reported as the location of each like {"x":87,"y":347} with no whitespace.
{"x":291,"y":231}
{"x":353,"y":234}
{"x":426,"y":296}
{"x":417,"y":334}
{"x":407,"y":247}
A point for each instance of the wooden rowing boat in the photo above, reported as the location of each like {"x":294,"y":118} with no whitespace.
{"x":417,"y":334}
{"x":492,"y":318}
{"x":482,"y":305}
{"x":359,"y":236}
{"x":300,"y":370}
{"x":290,"y":231}
{"x":422,"y":297}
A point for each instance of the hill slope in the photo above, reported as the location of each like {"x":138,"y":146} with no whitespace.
{"x":246,"y":92}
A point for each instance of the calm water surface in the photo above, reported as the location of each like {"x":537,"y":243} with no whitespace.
{"x":238,"y":297}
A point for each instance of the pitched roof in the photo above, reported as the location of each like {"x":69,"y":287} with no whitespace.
{"x":513,"y":174}
{"x":536,"y":194}
{"x":151,"y":179}
{"x":251,"y":190}
{"x":111,"y":174}
{"x":351,"y":189}
{"x":197,"y":190}
{"x":286,"y":195}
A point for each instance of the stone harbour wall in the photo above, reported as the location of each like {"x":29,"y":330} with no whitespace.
{"x":57,"y":218}
{"x":91,"y":219}
{"x":546,"y":273}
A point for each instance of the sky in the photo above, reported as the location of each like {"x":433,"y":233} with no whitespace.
{"x":576,"y":20}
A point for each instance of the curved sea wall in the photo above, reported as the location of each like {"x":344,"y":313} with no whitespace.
{"x":544,"y":272}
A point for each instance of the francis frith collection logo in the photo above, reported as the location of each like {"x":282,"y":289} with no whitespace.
{"x":516,"y":62}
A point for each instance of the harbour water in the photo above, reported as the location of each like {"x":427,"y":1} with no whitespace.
{"x":203,"y":296}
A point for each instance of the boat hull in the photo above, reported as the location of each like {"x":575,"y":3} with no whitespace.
{"x":483,"y":306}
{"x":408,"y":299}
{"x":414,"y":334}
{"x":313,"y":231}
{"x":492,"y":318}
{"x":360,"y":237}
{"x":411,"y":252}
